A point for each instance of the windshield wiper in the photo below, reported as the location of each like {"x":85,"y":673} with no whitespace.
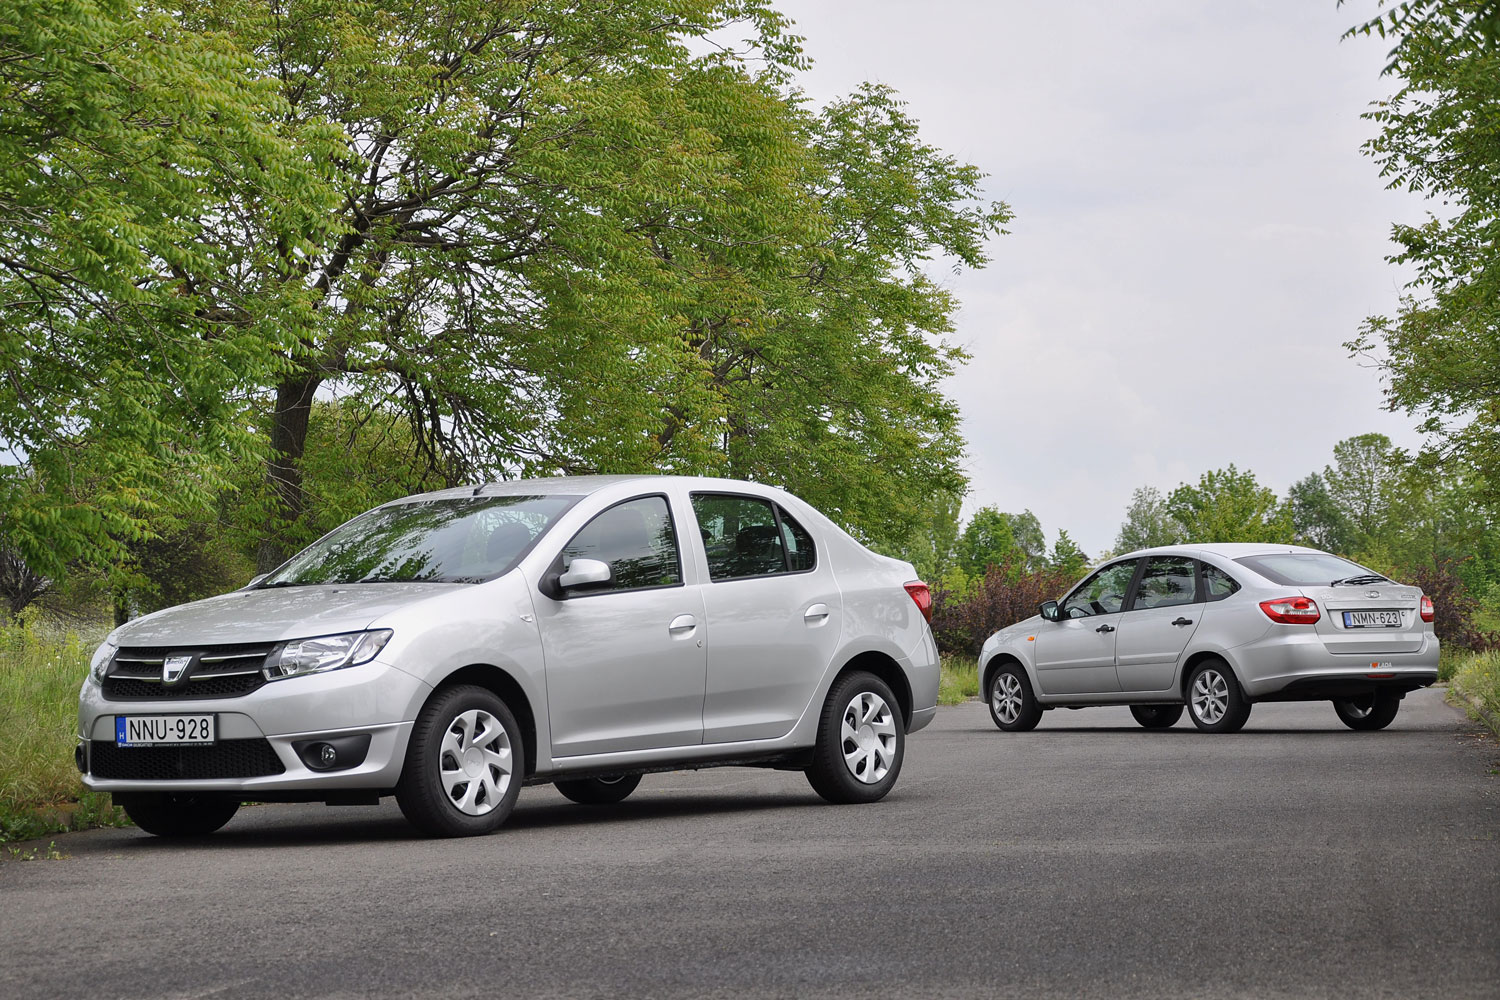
{"x":281,"y":583}
{"x":1354,"y":581}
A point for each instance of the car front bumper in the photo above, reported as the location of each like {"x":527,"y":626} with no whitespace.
{"x":259,"y":735}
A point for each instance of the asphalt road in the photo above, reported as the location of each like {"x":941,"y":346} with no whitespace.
{"x":1088,"y":858}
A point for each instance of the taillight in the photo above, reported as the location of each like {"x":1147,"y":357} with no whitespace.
{"x":1427,"y":611}
{"x":919,"y":593}
{"x":1292,"y":610}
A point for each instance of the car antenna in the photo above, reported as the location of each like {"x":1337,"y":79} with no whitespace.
{"x":478,"y":489}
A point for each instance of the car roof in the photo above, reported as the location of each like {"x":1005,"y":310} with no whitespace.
{"x":1225,"y":550}
{"x":577,"y":486}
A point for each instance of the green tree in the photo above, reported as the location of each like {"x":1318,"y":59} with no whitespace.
{"x":1147,"y":522}
{"x":123,"y":140}
{"x":1228,"y":505}
{"x":1441,"y":352}
{"x":1317,"y":519}
{"x":1360,"y":481}
{"x":1067,"y":558}
{"x":570,"y":242}
{"x":987,"y":540}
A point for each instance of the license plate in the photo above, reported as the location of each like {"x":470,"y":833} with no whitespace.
{"x":1372,"y":619}
{"x":164,"y":730}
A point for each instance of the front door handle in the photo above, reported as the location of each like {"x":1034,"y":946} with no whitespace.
{"x":1105,"y":628}
{"x":816,"y":613}
{"x":683,"y":623}
{"x":1183,"y":621}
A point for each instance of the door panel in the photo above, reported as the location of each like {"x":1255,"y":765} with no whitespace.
{"x":1074,"y":657}
{"x":774,"y":617}
{"x":626,"y":660}
{"x":1148,"y":646}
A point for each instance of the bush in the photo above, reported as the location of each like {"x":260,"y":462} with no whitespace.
{"x":1006,"y":594}
{"x":1458,"y":619}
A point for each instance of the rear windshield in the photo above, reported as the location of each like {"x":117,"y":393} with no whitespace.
{"x":1306,"y":569}
{"x":452,"y":540}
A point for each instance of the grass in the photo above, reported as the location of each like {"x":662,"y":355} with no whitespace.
{"x":1477,"y":675}
{"x":40,"y":792}
{"x":959,"y":680}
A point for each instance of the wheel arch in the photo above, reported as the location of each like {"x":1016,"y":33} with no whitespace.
{"x":994,"y":663}
{"x":1198,"y":657}
{"x":884,"y":666}
{"x":508,"y":690}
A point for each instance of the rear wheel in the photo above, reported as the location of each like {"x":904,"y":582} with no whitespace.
{"x":168,"y":815}
{"x":1013,"y":707}
{"x":463,"y":765}
{"x":600,"y":791}
{"x":1367,"y":713}
{"x":1215,"y":702}
{"x":1156,"y":716}
{"x":861,"y":741}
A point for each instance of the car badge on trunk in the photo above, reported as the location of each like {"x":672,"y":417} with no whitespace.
{"x":1372,"y":594}
{"x":172,"y":668}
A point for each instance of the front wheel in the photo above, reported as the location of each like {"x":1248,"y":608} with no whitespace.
{"x":1367,"y":713}
{"x":1156,"y":716}
{"x":464,"y":765}
{"x":1013,"y":707}
{"x":1215,"y":702}
{"x":169,"y":815}
{"x":861,"y":741}
{"x":599,"y":791}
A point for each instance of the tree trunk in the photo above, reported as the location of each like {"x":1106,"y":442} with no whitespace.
{"x":294,"y":399}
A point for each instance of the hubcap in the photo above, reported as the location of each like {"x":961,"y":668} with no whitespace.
{"x":1006,"y":698}
{"x":1210,"y":696}
{"x":868,"y":737}
{"x":475,"y":763}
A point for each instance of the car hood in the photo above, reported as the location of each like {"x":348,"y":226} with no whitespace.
{"x":275,"y":613}
{"x":1027,"y":626}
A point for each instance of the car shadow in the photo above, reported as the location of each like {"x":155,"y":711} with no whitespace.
{"x":1142,"y":733}
{"x":363,"y":824}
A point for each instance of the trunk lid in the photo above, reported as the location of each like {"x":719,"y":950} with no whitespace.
{"x":1355,"y":617}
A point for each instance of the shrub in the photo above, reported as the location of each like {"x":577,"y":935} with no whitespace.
{"x":1458,"y":618}
{"x":1006,"y":594}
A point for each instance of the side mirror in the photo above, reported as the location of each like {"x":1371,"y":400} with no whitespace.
{"x":583,"y":572}
{"x":1051,"y":612}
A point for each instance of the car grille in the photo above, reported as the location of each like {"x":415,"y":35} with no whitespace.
{"x":225,"y":759}
{"x":135,"y":673}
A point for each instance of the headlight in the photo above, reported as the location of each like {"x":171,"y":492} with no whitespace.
{"x":326,"y":652}
{"x":100,"y":662}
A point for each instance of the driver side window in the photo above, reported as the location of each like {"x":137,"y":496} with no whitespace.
{"x":1101,"y":594}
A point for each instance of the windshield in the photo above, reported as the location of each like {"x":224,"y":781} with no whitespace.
{"x":452,"y":540}
{"x":1308,"y":569}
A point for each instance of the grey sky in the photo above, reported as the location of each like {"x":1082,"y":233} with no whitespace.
{"x":1196,"y":233}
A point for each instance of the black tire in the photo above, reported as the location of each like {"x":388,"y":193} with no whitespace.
{"x":1013,"y":706}
{"x":600,"y":791}
{"x":1156,"y":716}
{"x":1218,"y":705}
{"x":177,"y":815}
{"x":1369,"y":713}
{"x":450,"y":726}
{"x":880,"y":733}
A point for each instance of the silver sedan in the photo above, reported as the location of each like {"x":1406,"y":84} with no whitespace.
{"x":449,"y":648}
{"x":1215,"y":629}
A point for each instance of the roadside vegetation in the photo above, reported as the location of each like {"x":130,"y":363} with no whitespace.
{"x":1477,"y":678}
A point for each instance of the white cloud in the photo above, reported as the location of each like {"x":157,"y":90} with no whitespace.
{"x":1196,"y":233}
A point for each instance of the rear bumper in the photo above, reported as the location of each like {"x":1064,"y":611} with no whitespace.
{"x":1302,"y":669}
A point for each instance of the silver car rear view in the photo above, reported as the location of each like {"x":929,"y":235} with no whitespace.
{"x":448,"y":648}
{"x":1214,"y":629}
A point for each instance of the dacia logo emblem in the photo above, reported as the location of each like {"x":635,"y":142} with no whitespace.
{"x":172,"y":668}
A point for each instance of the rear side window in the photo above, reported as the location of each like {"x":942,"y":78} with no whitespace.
{"x":1166,"y":582}
{"x":636,"y":538}
{"x":741,"y":536}
{"x":1217,"y":584}
{"x":800,"y":553}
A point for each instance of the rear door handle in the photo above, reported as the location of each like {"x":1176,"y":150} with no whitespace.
{"x":816,"y":613}
{"x":1105,"y":628}
{"x":683,"y":623}
{"x":1183,"y":621}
